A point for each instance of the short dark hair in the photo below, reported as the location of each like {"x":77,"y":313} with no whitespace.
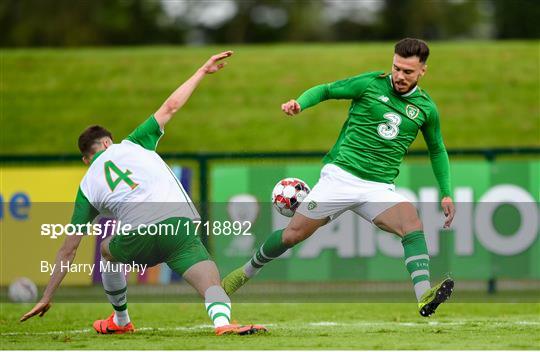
{"x":412,"y":47}
{"x":90,"y":136}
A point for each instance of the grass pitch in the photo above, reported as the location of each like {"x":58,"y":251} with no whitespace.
{"x":487,"y":94}
{"x":292,"y":326}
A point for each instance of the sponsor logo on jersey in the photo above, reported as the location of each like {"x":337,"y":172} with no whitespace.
{"x":383,"y":98}
{"x":411,"y":111}
{"x":312,"y":205}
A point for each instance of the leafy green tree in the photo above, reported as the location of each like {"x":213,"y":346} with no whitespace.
{"x":517,"y":18}
{"x":75,"y":23}
{"x":442,"y":19}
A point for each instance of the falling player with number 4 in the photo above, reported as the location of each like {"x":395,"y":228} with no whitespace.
{"x":132,"y":183}
{"x":386,"y":113}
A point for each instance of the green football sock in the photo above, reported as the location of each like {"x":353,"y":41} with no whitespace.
{"x":272,"y":248}
{"x":417,"y":261}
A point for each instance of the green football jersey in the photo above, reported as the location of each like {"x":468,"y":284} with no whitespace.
{"x":381,"y":126}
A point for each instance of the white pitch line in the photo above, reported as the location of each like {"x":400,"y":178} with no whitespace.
{"x":381,"y":323}
{"x":324,"y":323}
{"x":528,"y":322}
{"x":45,"y":332}
{"x":418,"y":324}
{"x":285,"y":326}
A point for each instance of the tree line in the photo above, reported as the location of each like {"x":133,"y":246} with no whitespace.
{"x":27,"y":23}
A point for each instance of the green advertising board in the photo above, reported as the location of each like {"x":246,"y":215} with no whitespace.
{"x":494,"y":234}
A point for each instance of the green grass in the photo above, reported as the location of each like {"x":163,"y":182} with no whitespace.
{"x":292,"y":326}
{"x":487,"y":93}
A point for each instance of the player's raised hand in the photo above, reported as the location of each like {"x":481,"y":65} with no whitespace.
{"x":449,"y":211}
{"x":215,"y":64}
{"x":40,"y":308}
{"x":291,"y":107}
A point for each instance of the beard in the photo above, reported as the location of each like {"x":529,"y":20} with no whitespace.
{"x":411,"y":87}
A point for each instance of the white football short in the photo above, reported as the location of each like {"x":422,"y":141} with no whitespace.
{"x":338,"y":191}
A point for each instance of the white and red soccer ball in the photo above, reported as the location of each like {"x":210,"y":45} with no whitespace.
{"x":288,"y":194}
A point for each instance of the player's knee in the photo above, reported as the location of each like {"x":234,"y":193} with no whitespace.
{"x":413,"y":224}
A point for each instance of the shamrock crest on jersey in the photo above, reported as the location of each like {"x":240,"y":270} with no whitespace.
{"x":411,"y":111}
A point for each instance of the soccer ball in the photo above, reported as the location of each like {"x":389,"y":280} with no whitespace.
{"x":288,"y":194}
{"x":22,"y":290}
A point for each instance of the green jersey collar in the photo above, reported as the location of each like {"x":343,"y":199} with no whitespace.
{"x":96,"y":156}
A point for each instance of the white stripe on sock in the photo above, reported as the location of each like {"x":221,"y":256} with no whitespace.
{"x":256,"y":261}
{"x":419,"y":273}
{"x":264,"y":255}
{"x":416,"y":257}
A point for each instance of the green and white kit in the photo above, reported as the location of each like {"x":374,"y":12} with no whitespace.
{"x":132,"y":184}
{"x":362,"y":165}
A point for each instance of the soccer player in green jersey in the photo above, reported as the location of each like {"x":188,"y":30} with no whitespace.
{"x":130,"y":181}
{"x":386,"y":113}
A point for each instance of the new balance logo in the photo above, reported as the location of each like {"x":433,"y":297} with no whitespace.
{"x":383,"y":98}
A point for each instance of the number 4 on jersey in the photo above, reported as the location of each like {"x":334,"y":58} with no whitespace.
{"x":121,"y":176}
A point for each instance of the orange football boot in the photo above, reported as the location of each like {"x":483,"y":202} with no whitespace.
{"x":107,"y":326}
{"x":235,"y":329}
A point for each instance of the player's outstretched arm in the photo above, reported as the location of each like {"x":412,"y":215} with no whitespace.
{"x":349,"y":88}
{"x":65,"y":254}
{"x":309,"y":98}
{"x":181,"y":95}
